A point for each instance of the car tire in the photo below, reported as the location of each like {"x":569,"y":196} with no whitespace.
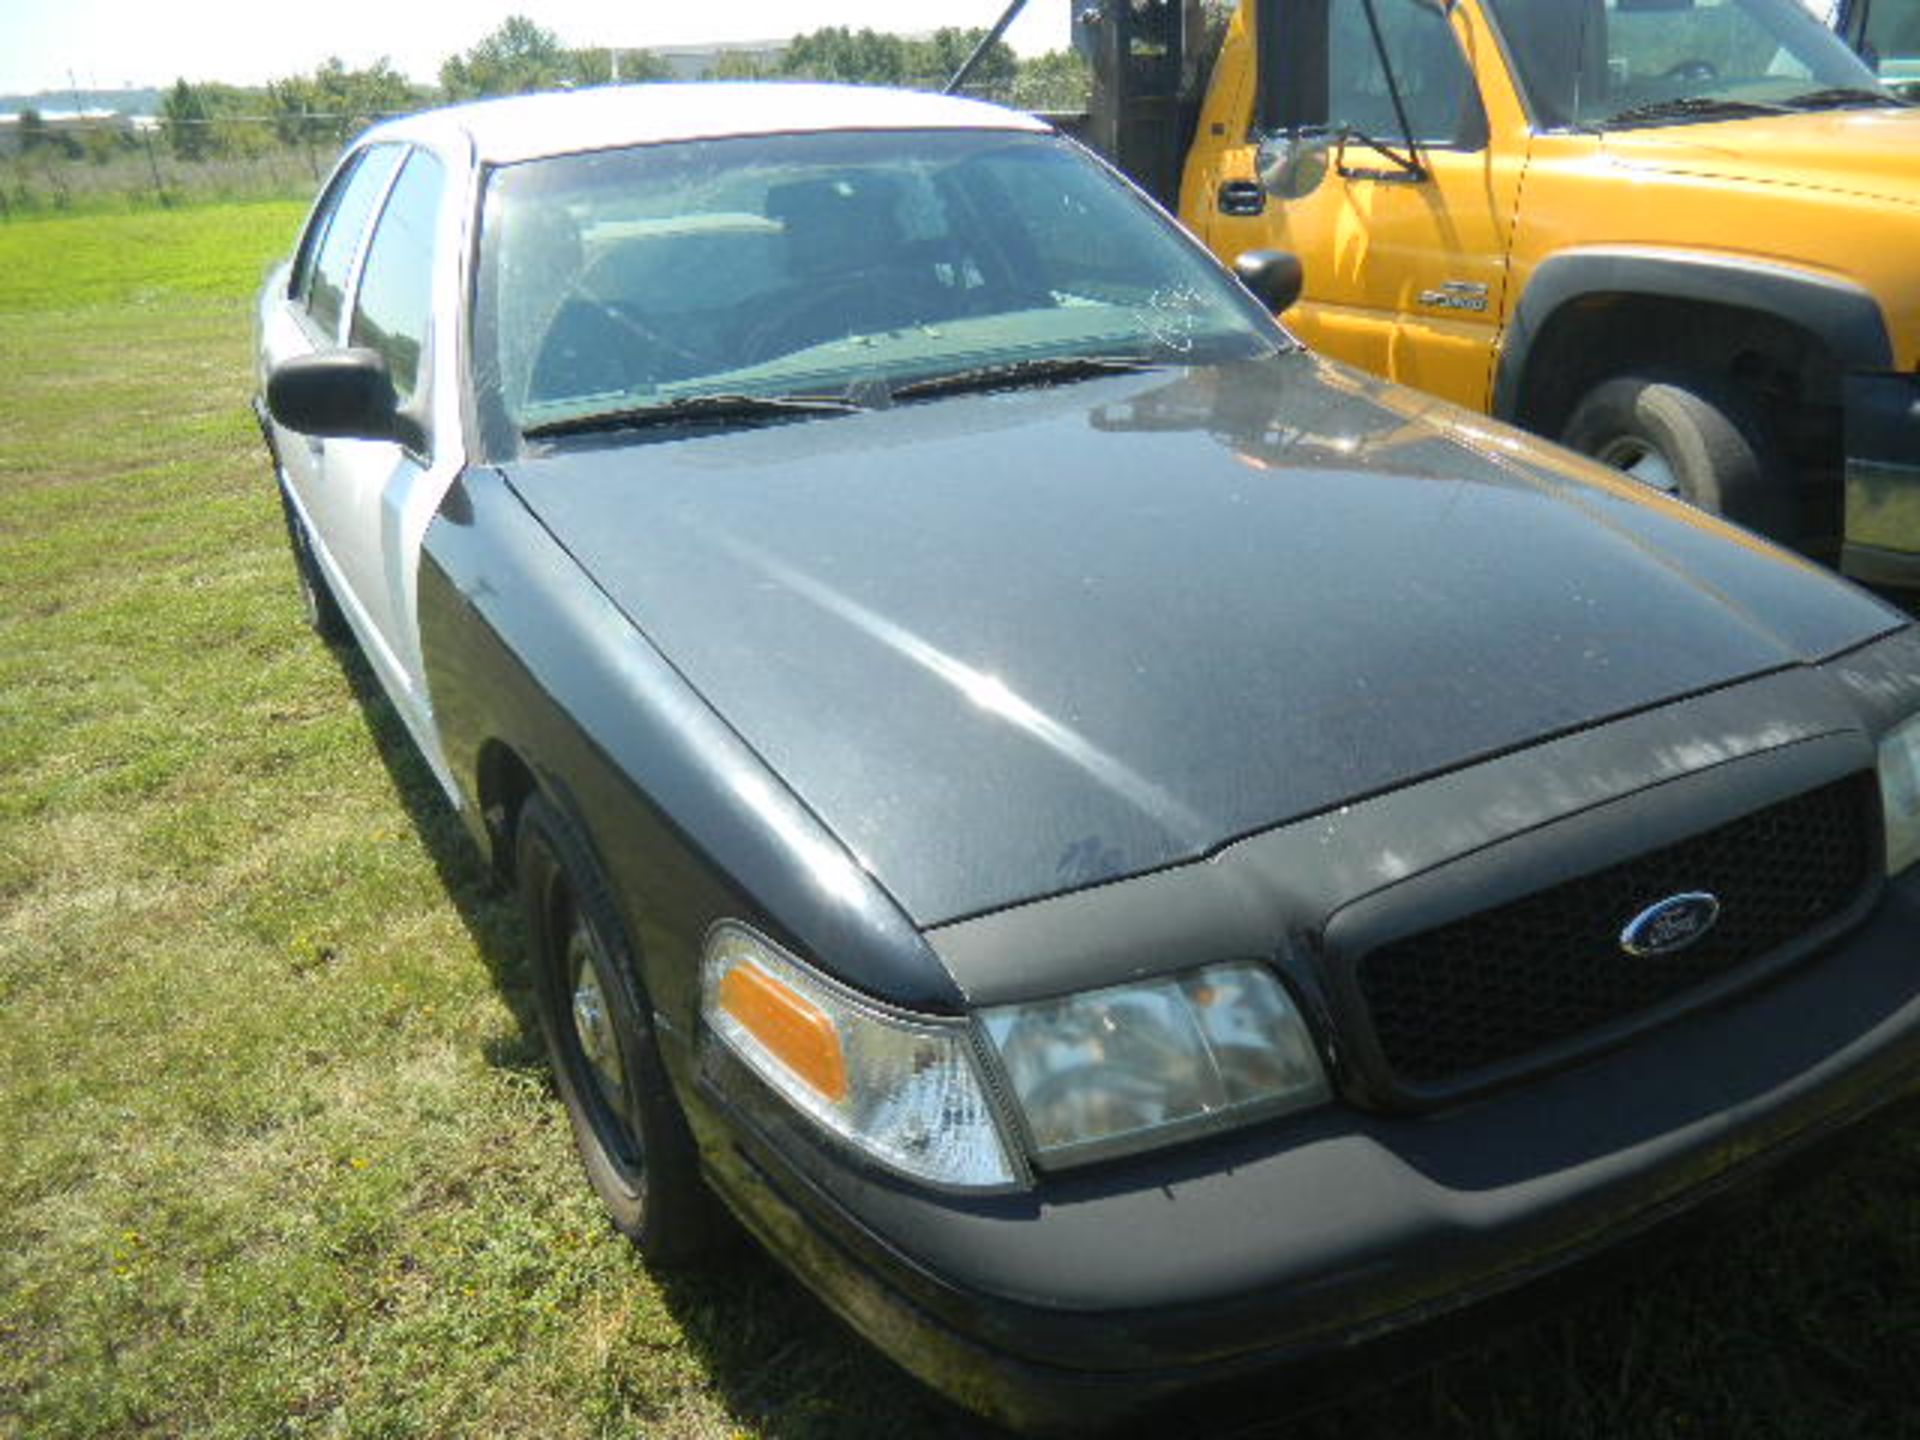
{"x":316,"y":598}
{"x":594,"y":1015}
{"x":1693,"y":437}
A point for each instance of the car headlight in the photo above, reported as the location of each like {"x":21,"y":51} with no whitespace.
{"x":1900,"y":794}
{"x":903,"y":1089}
{"x":1133,"y":1065}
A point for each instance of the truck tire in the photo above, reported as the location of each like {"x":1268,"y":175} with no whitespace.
{"x":1697,"y":438}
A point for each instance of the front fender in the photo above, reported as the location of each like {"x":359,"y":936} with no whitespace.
{"x":521,"y":648}
{"x":1841,"y":315}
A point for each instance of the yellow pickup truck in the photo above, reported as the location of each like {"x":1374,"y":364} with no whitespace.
{"x":1679,"y":235}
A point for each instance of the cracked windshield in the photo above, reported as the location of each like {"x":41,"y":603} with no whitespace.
{"x":824,"y":272}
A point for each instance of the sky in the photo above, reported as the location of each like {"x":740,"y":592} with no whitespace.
{"x":105,"y":44}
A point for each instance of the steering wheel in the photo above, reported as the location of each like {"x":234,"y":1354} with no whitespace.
{"x":629,"y":319}
{"x":826,"y":310}
{"x":1694,"y":67}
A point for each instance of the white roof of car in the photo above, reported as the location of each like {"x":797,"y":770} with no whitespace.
{"x":525,"y":127}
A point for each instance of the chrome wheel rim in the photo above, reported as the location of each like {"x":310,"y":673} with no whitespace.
{"x":1643,"y":462}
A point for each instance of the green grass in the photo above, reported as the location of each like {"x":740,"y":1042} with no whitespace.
{"x":142,"y":258}
{"x":278,"y":1152}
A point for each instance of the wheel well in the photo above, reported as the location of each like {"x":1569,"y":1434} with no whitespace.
{"x":505,"y":782}
{"x":1789,"y":371}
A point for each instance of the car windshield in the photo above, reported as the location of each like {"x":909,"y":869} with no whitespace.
{"x":688,"y":281}
{"x":1621,"y":63}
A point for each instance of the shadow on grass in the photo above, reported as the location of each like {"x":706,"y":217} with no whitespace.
{"x":781,"y":1361}
{"x":487,"y":910}
{"x":1795,"y":1318}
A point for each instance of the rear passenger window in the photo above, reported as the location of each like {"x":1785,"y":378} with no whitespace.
{"x":396,"y":284}
{"x":327,"y":287}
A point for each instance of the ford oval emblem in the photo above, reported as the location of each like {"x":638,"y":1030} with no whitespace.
{"x":1671,"y":924}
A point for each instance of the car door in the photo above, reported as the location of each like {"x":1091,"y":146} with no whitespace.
{"x":1405,"y":268}
{"x":379,"y":259}
{"x":368,"y":487}
{"x":310,"y":316}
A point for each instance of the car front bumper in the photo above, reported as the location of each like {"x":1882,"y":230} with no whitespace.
{"x":1882,"y":544}
{"x":1336,"y":1238}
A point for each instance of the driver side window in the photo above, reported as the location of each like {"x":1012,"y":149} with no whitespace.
{"x":1436,"y":87}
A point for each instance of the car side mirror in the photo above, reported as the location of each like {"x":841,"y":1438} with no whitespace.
{"x":1274,"y":276}
{"x":1292,"y":166}
{"x":345,"y":394}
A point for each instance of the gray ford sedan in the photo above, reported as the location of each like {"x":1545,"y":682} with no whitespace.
{"x":1131,"y":857}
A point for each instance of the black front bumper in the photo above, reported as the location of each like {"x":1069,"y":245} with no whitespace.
{"x":1883,"y":480}
{"x":1335,"y":1237}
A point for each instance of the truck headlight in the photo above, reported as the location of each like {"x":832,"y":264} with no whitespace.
{"x":1900,"y":794}
{"x":904,"y":1089}
{"x":1135,"y":1065}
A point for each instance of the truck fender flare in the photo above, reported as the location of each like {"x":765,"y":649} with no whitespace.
{"x":1842,"y":315}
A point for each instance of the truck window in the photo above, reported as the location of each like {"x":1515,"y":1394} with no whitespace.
{"x":1892,"y":42}
{"x":1592,"y":62}
{"x":1436,"y":87}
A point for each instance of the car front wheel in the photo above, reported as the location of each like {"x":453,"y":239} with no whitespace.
{"x":627,"y":1126}
{"x":1689,"y":436}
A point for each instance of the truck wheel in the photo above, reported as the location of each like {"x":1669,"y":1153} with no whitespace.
{"x":627,"y":1126}
{"x":1692,"y":437}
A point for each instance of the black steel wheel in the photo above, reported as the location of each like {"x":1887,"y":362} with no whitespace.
{"x":627,"y":1126}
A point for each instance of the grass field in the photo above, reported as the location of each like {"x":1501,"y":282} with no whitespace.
{"x":278,"y":1150}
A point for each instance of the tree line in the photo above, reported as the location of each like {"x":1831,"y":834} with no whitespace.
{"x":330,"y":105}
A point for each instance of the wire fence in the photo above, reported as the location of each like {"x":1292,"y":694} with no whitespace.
{"x":116,"y":162}
{"x":108,"y":162}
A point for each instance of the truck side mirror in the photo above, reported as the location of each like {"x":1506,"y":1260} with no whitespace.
{"x":1292,"y":165}
{"x":346,"y":394}
{"x":1274,"y":276}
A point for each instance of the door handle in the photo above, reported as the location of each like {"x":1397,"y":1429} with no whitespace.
{"x":1242,"y":197}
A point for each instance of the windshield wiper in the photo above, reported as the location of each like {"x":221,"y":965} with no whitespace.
{"x":714,"y":409}
{"x":1045,"y":370}
{"x":1840,"y":96}
{"x":1687,"y":107}
{"x":1405,"y":167}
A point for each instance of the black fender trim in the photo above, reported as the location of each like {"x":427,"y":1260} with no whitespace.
{"x":1845,"y":317}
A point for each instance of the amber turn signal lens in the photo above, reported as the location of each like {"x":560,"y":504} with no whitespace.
{"x":794,"y":1030}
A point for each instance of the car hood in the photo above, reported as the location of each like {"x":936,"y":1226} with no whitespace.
{"x":1850,"y":152}
{"x":1008,"y":645}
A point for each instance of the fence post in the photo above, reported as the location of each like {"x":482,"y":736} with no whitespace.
{"x":159,"y":190}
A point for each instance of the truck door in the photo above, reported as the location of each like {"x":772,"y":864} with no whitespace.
{"x":1404,"y":247}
